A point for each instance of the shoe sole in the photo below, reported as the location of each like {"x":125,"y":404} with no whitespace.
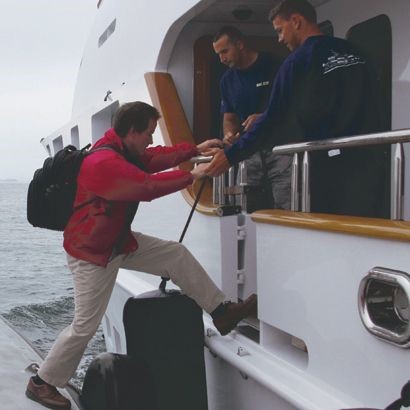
{"x":33,"y":397}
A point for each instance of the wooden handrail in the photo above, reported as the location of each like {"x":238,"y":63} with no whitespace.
{"x":351,"y":225}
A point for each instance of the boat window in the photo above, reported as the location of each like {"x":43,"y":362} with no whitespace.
{"x":75,"y":137}
{"x":48,"y":149}
{"x":58,"y":144}
{"x":117,"y":338}
{"x":107,"y":33}
{"x":374,"y":39}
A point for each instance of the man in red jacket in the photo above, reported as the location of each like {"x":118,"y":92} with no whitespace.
{"x":98,"y":239}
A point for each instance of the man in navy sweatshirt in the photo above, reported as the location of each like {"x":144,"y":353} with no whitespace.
{"x":319,"y":92}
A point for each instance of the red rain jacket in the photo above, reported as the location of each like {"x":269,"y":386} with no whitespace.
{"x":107,"y":183}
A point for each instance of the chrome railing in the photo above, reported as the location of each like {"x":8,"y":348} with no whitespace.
{"x":396,"y":138}
{"x":228,"y":188}
{"x":226,"y":191}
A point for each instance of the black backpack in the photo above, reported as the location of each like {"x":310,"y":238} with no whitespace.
{"x":52,"y":190}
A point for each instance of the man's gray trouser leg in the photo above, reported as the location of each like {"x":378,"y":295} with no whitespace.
{"x":279,"y":169}
{"x":278,"y":173}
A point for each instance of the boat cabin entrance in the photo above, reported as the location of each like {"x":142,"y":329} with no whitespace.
{"x":369,"y":168}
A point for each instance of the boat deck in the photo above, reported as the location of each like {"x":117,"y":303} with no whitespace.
{"x":16,"y":357}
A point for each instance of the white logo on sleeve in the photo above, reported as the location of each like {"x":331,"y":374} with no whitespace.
{"x":337,"y":60}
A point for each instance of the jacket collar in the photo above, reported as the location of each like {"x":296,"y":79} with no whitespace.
{"x":110,"y":138}
{"x":113,"y":139}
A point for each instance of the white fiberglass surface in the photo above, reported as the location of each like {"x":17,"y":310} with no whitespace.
{"x":308,"y":284}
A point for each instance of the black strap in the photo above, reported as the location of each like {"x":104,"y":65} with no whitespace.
{"x":164,"y":281}
{"x":102,"y":148}
{"x":198,"y":196}
{"x":129,"y":217}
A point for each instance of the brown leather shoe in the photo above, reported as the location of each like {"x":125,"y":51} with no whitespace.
{"x":47,"y":395}
{"x":234,"y":313}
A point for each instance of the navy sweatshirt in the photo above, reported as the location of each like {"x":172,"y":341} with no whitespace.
{"x":320,"y":91}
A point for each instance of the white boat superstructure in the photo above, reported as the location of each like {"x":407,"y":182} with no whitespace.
{"x":333,"y":328}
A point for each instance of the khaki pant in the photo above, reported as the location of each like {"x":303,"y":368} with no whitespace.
{"x":93,"y":286}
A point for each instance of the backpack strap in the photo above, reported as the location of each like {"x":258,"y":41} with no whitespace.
{"x":135,"y":161}
{"x":102,"y":148}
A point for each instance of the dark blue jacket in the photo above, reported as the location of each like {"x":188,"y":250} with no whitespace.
{"x":320,"y":91}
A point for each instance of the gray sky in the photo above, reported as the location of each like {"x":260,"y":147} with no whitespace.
{"x":41,"y":44}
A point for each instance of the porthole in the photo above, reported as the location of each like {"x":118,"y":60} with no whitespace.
{"x":384,"y":305}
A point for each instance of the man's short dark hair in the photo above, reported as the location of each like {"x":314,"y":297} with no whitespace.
{"x":231,"y":32}
{"x":134,"y":116}
{"x":288,"y":7}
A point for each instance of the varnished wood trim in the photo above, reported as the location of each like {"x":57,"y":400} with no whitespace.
{"x":173,"y":122}
{"x":352,"y":225}
{"x":175,"y":129}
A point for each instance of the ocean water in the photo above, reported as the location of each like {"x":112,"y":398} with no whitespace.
{"x":36,"y":289}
